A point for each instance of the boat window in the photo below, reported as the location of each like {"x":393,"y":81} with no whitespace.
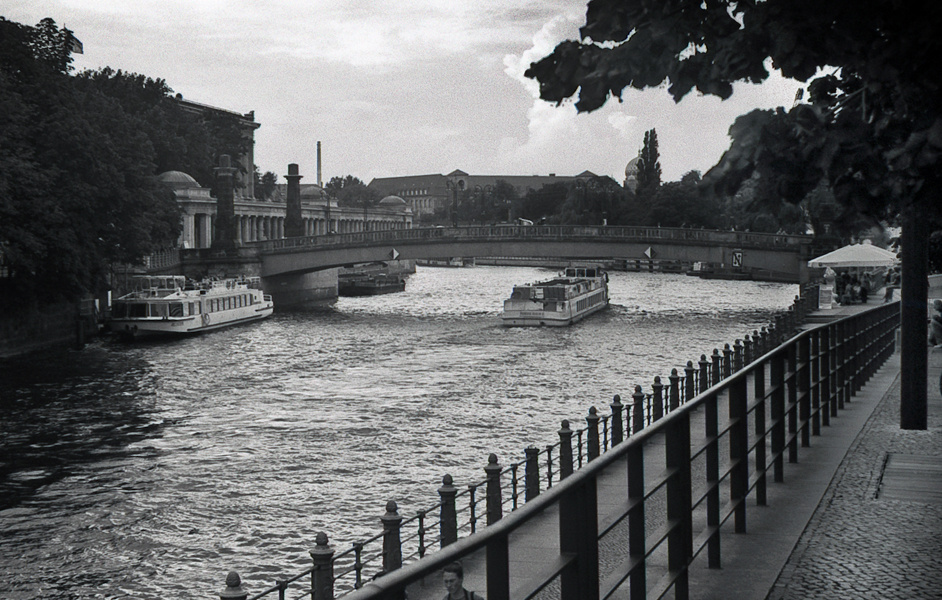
{"x":192,"y":308}
{"x":137,"y":310}
{"x":158,"y":310}
{"x":176,"y":309}
{"x":119,"y":310}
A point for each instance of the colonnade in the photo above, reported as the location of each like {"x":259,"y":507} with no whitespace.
{"x":198,"y":227}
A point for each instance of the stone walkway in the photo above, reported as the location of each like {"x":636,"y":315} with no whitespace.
{"x":864,"y":542}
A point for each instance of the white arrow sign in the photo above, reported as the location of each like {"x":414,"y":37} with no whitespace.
{"x":394,"y":254}
{"x":649,"y":253}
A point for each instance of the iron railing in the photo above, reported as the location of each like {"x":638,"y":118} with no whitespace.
{"x":506,"y":489}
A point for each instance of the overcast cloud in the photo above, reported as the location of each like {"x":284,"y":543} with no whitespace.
{"x":399,"y":87}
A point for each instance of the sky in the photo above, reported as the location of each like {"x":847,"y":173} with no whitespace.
{"x":394,"y":88}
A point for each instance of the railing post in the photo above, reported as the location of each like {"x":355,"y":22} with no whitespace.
{"x":761,"y":432}
{"x":592,"y":442}
{"x":689,"y":385}
{"x":739,"y":451}
{"x":816,"y":382}
{"x":322,"y":576}
{"x":658,"y":403}
{"x":565,"y":450}
{"x":828,"y":407}
{"x":234,"y":589}
{"x":532,"y":473}
{"x":704,"y":373}
{"x":747,"y":357}
{"x":638,"y":410}
{"x":448,"y":526}
{"x":636,"y":542}
{"x":680,"y":537}
{"x":792,"y":406}
{"x":675,"y":390}
{"x":804,"y":389}
{"x":392,"y":544}
{"x":727,"y":361}
{"x":777,"y":379}
{"x":737,"y":356}
{"x":765,"y":340}
{"x":578,"y":535}
{"x":617,"y":425}
{"x":494,"y":507}
{"x":715,"y":378}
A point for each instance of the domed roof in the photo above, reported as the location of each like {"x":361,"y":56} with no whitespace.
{"x":632,"y":168}
{"x":178,"y":180}
{"x":312,"y":192}
{"x":392,"y":201}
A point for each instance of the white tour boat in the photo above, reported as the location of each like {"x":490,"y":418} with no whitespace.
{"x":173,"y":305}
{"x":576,"y":293}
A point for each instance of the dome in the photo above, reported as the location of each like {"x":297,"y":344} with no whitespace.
{"x":311,"y":193}
{"x":632,"y":169}
{"x":178,"y":180}
{"x":392,"y":201}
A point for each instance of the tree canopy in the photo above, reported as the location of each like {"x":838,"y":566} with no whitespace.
{"x":649,"y":166}
{"x":78,"y":160}
{"x":871,"y":126}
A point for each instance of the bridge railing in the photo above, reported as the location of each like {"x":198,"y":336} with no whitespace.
{"x":637,"y":234}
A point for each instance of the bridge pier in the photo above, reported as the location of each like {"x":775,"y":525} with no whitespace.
{"x":302,"y":290}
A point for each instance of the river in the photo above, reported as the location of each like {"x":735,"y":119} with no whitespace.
{"x":148,"y":471}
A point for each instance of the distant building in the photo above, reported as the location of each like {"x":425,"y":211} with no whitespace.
{"x":245,"y":185}
{"x":631,"y":174}
{"x":426,"y":193}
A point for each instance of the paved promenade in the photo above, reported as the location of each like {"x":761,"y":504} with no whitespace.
{"x":860,"y":515}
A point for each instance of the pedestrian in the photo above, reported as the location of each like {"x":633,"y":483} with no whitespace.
{"x":453,"y":578}
{"x":935,"y":324}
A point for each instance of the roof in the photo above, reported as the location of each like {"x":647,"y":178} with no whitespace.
{"x":856,"y":255}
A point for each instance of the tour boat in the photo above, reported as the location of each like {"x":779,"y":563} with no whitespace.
{"x":576,"y":293}
{"x":174,"y":305}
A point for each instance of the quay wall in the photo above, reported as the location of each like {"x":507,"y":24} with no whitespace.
{"x":66,"y":324}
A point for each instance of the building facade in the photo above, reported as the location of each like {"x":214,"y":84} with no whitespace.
{"x":426,"y":194}
{"x":258,"y":220}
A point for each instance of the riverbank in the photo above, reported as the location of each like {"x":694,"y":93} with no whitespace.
{"x":65,"y":325}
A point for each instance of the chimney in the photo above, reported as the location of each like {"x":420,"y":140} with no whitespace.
{"x":320,"y":182}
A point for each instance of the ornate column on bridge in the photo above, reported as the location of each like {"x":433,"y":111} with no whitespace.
{"x":225,"y":234}
{"x":294,"y":224}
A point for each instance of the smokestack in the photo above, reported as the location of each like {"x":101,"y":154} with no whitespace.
{"x":320,"y":182}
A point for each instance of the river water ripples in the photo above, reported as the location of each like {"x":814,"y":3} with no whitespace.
{"x":148,"y":471}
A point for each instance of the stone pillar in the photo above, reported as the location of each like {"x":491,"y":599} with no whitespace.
{"x":225,"y":234}
{"x":294,"y":227}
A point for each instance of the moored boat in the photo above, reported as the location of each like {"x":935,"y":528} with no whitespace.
{"x":575,"y":294}
{"x":173,"y":305}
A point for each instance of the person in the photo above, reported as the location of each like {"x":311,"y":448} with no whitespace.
{"x":935,"y":324}
{"x":453,"y":578}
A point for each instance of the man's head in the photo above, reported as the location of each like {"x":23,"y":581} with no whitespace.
{"x":453,"y":577}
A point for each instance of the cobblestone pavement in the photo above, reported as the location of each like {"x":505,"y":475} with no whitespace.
{"x":858,"y":545}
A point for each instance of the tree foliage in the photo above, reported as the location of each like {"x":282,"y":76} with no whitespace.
{"x":265,"y":184}
{"x":78,"y":159}
{"x":872,"y":124}
{"x":351,"y":191}
{"x":649,"y":166}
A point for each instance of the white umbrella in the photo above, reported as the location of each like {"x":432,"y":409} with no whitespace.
{"x":856,"y":255}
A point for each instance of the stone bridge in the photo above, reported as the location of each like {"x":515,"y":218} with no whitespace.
{"x":292,"y":263}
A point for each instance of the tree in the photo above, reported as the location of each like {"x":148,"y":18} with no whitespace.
{"x":649,"y":167}
{"x":871,"y":125}
{"x":265,"y":185}
{"x":78,"y":160}
{"x":351,"y":191}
